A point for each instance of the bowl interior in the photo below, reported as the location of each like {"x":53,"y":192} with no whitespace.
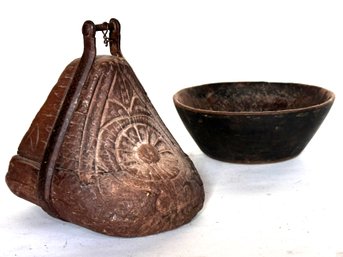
{"x":252,"y":96}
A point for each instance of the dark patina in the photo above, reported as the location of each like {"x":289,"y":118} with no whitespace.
{"x":253,"y":122}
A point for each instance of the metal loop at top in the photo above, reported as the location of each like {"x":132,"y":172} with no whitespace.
{"x":113,"y":26}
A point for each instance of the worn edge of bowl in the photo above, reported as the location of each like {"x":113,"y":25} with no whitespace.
{"x":258,"y":113}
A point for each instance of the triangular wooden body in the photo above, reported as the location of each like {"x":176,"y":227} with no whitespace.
{"x":117,"y":169}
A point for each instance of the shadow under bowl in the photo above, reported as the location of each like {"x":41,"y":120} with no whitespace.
{"x":253,"y":122}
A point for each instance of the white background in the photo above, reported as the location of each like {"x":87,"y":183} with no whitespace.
{"x":292,"y":208}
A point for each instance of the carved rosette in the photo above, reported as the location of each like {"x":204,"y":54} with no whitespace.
{"x":141,"y":151}
{"x":128,"y":162}
{"x":98,"y":155}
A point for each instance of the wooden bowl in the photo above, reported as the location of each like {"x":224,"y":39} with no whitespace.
{"x":253,"y":122}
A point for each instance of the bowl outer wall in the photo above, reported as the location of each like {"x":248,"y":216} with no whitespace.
{"x":255,"y":138}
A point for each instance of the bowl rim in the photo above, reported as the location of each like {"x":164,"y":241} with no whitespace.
{"x":179,"y":104}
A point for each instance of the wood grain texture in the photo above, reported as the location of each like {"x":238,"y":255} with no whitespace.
{"x":119,"y":172}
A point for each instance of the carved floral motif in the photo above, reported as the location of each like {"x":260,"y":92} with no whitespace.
{"x":142,"y":152}
{"x":131,"y":138}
